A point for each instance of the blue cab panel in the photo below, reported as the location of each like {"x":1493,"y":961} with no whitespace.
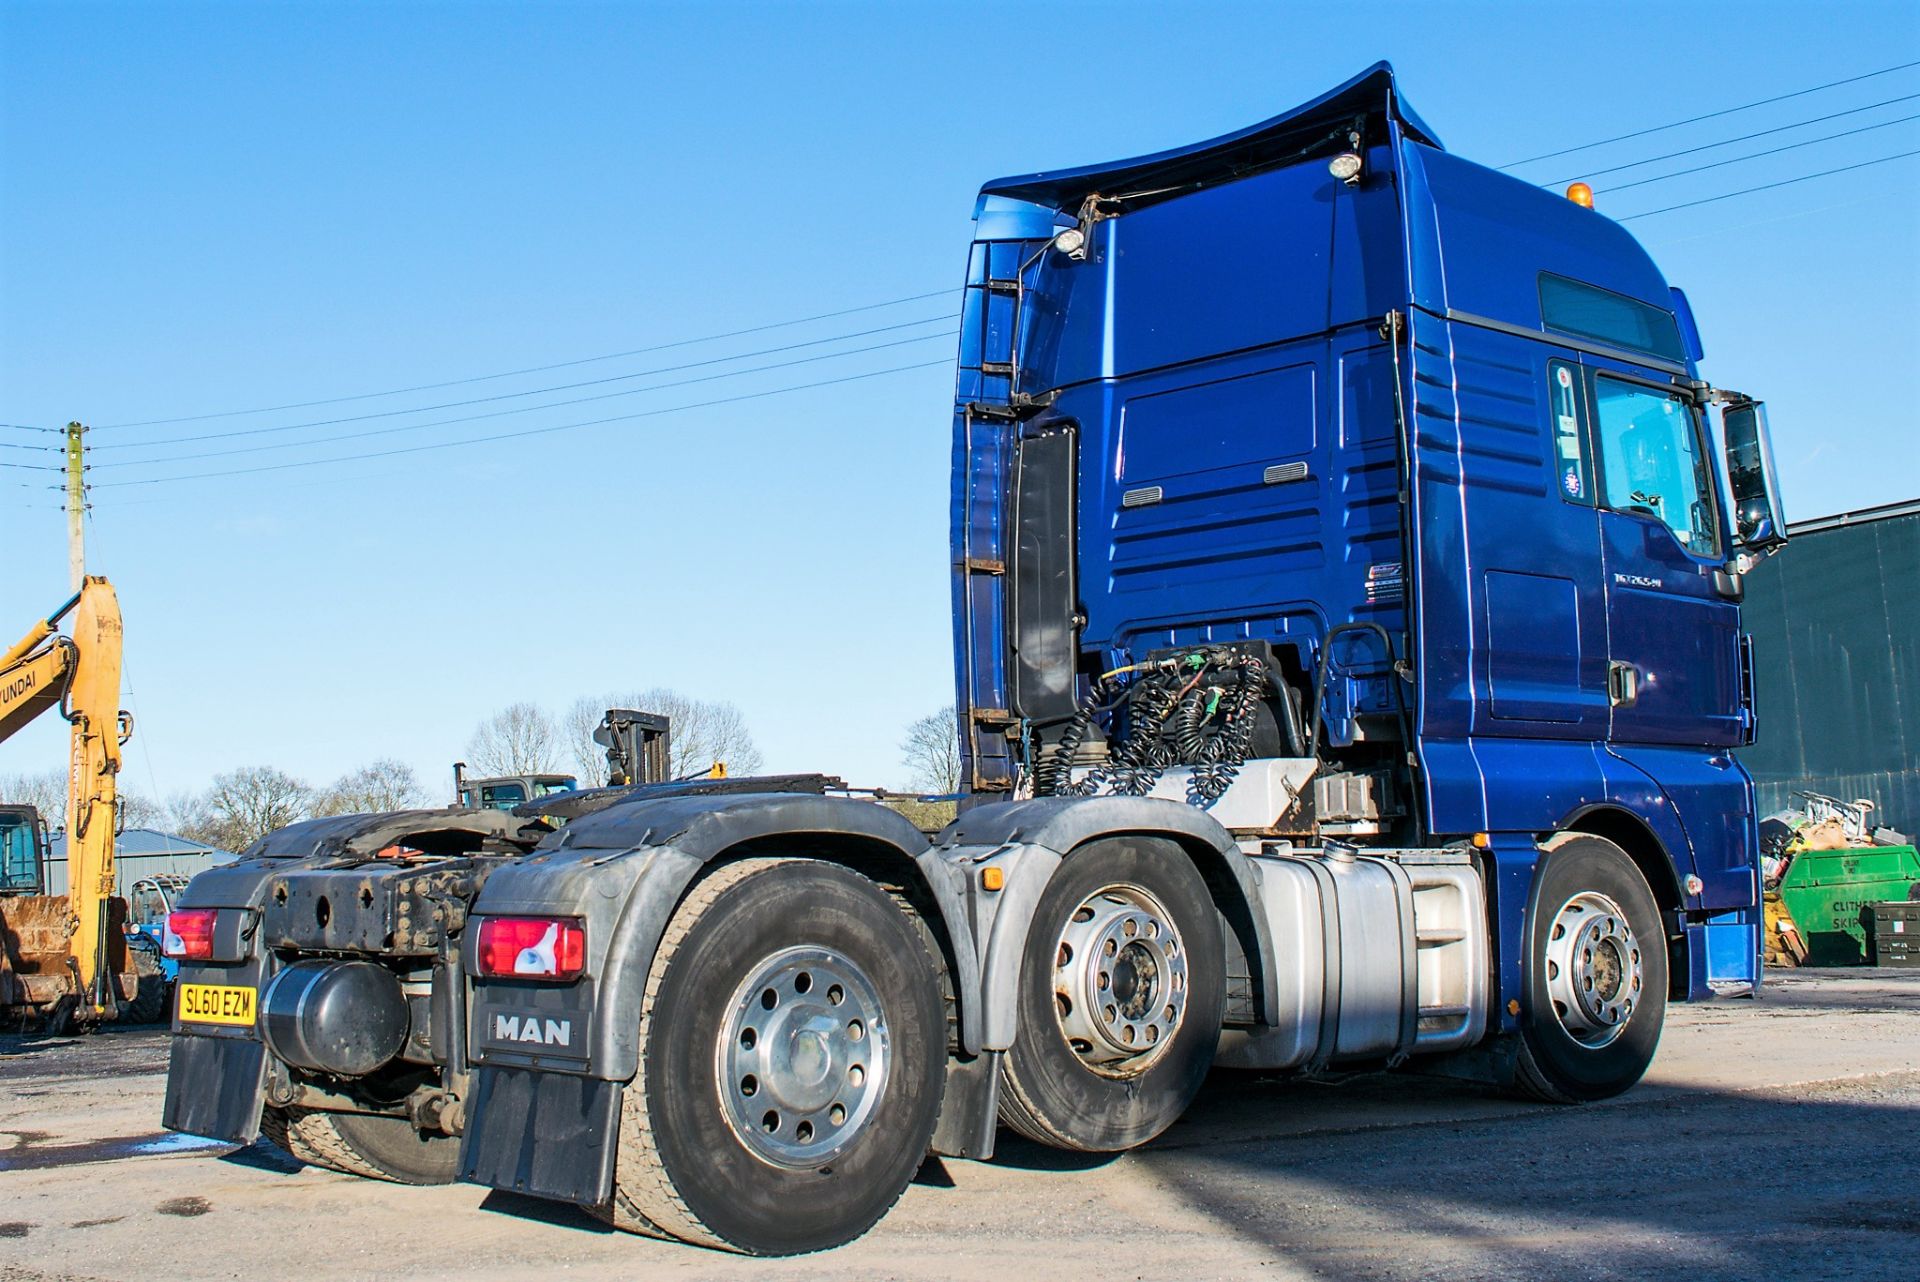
{"x":1433,"y":398}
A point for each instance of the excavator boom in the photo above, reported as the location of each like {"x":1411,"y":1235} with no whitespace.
{"x":80,"y":673}
{"x":34,"y":673}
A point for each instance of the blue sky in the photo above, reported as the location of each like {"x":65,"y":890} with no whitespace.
{"x":207,"y":208}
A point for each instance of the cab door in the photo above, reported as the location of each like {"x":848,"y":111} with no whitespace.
{"x":1673,"y":670}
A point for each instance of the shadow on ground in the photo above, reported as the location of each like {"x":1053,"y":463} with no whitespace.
{"x":1806,"y":1182}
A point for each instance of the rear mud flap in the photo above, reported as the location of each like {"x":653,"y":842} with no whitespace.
{"x":547,"y":1134}
{"x":216,"y":1087}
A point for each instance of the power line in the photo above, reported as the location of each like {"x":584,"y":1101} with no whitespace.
{"x":534,"y":369}
{"x":14,"y":445}
{"x":911,"y":298}
{"x":31,"y":427}
{"x":1790,"y":215}
{"x":1771,"y":151}
{"x":1785,"y":182}
{"x":1728,"y":142}
{"x":527,"y":409}
{"x":532,"y":391}
{"x":34,"y":467}
{"x":276,"y":467}
{"x":531,"y":431}
{"x":1711,"y":115}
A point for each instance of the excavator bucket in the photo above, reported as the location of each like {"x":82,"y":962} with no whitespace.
{"x":37,"y":975}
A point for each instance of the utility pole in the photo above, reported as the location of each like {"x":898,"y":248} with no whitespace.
{"x":76,"y":504}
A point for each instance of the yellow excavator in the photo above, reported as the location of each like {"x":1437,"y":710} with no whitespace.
{"x":64,"y":959}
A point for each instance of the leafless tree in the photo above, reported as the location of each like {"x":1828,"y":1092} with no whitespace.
{"x":932,"y":751}
{"x":248,"y":803}
{"x":577,"y":725}
{"x":704,"y":731}
{"x":44,"y":790}
{"x":384,"y":785}
{"x":137,"y":811}
{"x":190,"y":815}
{"x":519,"y":740}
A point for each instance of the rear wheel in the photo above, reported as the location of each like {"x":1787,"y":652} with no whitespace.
{"x":1121,"y":993}
{"x":379,"y":1148}
{"x":149,"y":1004}
{"x":1596,"y":975}
{"x":792,"y":1049}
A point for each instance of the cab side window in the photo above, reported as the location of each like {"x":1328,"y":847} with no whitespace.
{"x":1653,"y":460}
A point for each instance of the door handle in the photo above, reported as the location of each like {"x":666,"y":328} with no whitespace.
{"x":1623,"y":684}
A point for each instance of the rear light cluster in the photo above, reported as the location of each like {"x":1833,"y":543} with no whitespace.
{"x":532,"y":947}
{"x":189,"y":933}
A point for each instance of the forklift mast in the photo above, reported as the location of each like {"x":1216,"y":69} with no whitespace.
{"x":636,"y":744}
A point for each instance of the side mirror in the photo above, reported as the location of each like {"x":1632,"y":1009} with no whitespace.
{"x":1758,"y":525}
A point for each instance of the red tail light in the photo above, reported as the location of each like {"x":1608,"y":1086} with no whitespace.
{"x":533,"y":947}
{"x":189,"y":933}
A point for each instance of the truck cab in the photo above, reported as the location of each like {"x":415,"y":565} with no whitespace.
{"x":1429,"y":442}
{"x":504,"y":792}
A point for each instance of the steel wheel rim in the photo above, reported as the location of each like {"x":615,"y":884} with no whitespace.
{"x":802,"y":1056}
{"x":1119,"y":980}
{"x":1594,"y":969}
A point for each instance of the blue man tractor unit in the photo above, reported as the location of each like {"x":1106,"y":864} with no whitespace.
{"x":1349,"y":669}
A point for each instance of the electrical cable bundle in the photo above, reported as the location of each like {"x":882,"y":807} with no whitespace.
{"x":1194,"y":710}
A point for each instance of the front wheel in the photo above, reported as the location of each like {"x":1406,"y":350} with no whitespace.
{"x":792,"y":1051}
{"x":1596,"y":991}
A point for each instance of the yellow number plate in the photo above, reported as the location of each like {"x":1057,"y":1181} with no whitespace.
{"x":217,"y":1004}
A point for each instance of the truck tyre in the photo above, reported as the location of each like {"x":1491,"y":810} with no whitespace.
{"x":792,"y":1051}
{"x":379,"y":1148}
{"x":1122,"y":987}
{"x":1596,"y":982}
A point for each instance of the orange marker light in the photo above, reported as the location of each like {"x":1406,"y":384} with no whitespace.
{"x":992,"y":878}
{"x":1581,"y":195}
{"x":1481,"y":841}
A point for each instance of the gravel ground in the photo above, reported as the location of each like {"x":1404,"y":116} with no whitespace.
{"x":1777,"y":1138}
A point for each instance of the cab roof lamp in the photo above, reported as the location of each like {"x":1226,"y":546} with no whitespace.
{"x":1346,"y":167}
{"x":1072,"y":242}
{"x":1581,"y":195}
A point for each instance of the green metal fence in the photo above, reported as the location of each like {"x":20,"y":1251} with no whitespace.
{"x":1835,"y":620}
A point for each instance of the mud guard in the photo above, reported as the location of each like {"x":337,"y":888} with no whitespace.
{"x":216,"y":1087}
{"x":623,"y":870}
{"x":1028,"y":839}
